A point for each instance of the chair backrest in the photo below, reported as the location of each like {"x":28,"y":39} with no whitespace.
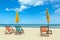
{"x":18,"y":28}
{"x":44,"y":28}
{"x":8,"y":28}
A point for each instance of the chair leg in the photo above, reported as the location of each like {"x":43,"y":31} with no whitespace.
{"x":44,"y":35}
{"x":7,"y":32}
{"x":18,"y":33}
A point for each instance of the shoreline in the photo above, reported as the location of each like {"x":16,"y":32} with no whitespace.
{"x":33,"y":27}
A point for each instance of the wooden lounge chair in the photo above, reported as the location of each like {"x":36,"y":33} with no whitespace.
{"x":9,"y":30}
{"x":19,"y":30}
{"x":44,"y":31}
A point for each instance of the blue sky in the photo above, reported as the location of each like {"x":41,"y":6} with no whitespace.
{"x":30,"y":11}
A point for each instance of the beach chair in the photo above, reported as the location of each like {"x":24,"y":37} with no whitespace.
{"x":9,"y":30}
{"x":19,"y":30}
{"x":44,"y":31}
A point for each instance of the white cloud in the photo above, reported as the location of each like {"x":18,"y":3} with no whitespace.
{"x":55,"y":19}
{"x":24,"y":4}
{"x":56,"y":6}
{"x":43,"y":12}
{"x":38,"y":3}
{"x":27,"y":3}
{"x":35,"y":2}
{"x":32,"y":2}
{"x":54,"y":0}
{"x":57,"y":11}
{"x":22,"y":7}
{"x":7,"y":9}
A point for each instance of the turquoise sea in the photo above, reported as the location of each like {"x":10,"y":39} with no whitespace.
{"x":31,"y":25}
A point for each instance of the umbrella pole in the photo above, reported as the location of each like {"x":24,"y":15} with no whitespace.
{"x":17,"y":23}
{"x":48,"y":26}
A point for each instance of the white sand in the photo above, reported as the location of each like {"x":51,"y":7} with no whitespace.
{"x":30,"y":34}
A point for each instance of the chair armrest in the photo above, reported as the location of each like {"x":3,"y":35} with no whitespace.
{"x":49,"y":32}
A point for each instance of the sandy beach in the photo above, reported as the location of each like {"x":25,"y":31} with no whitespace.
{"x":30,"y":34}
